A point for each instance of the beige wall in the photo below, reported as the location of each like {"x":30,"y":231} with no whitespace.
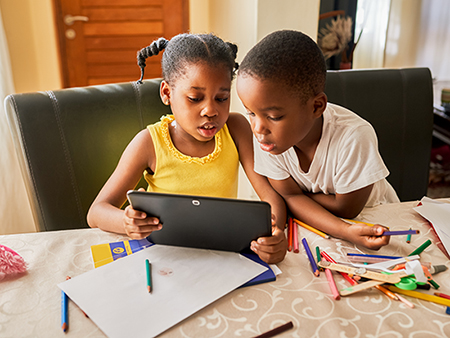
{"x":31,"y":36}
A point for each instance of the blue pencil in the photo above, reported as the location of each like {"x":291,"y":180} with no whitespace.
{"x":64,"y":311}
{"x":374,"y":256}
{"x":311,"y":258}
{"x":401,"y":232}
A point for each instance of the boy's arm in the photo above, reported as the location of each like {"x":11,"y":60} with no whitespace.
{"x":270,"y":249}
{"x":307,"y":210}
{"x":343,"y":205}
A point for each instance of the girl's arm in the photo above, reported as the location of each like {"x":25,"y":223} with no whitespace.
{"x":270,"y":249}
{"x":105,"y":212}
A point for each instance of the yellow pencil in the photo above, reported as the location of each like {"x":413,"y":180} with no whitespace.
{"x":420,"y":295}
{"x":310,"y":228}
{"x":355,"y":221}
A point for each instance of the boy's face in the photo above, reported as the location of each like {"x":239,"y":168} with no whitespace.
{"x":279,"y":119}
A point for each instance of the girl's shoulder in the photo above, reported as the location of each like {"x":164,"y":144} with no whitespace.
{"x":237,"y":122}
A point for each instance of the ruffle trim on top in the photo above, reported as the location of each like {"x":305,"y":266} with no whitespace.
{"x":165,"y":121}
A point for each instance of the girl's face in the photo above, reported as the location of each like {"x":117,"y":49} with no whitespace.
{"x":200,"y":101}
{"x":279,"y":118}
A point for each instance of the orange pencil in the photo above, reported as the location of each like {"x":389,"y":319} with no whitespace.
{"x":388,"y":293}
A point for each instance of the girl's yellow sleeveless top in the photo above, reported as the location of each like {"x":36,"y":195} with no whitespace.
{"x":213,"y":175}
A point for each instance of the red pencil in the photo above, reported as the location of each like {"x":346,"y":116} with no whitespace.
{"x":331,"y":260}
{"x":443,"y":295}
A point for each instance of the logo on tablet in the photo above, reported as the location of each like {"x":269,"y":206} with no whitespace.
{"x":196,"y":202}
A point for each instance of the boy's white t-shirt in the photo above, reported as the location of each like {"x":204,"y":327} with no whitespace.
{"x":346,"y":159}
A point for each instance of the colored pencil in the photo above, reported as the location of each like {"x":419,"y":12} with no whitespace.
{"x":331,"y":260}
{"x":310,"y":228}
{"x":290,"y":234}
{"x":355,"y":221}
{"x":421,"y":248}
{"x":386,"y":292}
{"x":405,"y":301}
{"x":332,"y":284}
{"x":374,"y":256}
{"x":408,"y":238}
{"x":64,"y":311}
{"x":311,"y":258}
{"x":276,"y":330}
{"x":295,"y":237}
{"x":420,"y":295}
{"x":401,"y":232}
{"x":443,"y":295}
{"x":148,"y":268}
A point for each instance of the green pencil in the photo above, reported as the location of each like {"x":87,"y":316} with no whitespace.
{"x":408,"y":238}
{"x":420,"y":249}
{"x":149,"y":275}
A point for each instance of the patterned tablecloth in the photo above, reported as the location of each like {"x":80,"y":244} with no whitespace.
{"x":30,"y":304}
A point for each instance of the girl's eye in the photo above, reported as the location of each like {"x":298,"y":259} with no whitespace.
{"x":193,"y":99}
{"x":250,"y":114}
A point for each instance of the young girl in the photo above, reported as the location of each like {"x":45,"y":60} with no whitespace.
{"x":196,"y":150}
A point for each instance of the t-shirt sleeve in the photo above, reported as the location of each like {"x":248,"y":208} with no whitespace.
{"x":267,"y":164}
{"x":359,"y":161}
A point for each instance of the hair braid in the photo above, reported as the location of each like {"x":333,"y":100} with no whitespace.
{"x":154,"y":49}
{"x":184,"y":49}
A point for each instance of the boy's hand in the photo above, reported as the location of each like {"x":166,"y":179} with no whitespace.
{"x":137,"y":225}
{"x":271,"y":249}
{"x":370,"y":237}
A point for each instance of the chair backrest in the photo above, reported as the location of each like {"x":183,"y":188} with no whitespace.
{"x":69,"y":142}
{"x":399,"y":105}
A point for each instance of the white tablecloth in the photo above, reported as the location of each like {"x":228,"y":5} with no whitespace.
{"x":30,"y":304}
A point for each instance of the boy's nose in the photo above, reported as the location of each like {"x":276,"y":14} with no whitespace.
{"x":258,"y":126}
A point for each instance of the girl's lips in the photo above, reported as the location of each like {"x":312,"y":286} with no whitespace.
{"x":268,"y":147}
{"x":207,"y":131}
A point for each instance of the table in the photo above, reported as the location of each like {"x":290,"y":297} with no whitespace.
{"x":30,"y":304}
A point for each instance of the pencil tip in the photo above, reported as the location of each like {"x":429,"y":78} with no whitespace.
{"x":149,"y":289}
{"x":64,"y":327}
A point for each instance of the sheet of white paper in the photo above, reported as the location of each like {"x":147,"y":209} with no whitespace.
{"x":184,"y":281}
{"x":438,"y":214}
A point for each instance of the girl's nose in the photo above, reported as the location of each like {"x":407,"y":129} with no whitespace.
{"x":209,"y":109}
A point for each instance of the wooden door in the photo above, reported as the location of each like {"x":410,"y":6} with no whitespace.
{"x":99,"y":39}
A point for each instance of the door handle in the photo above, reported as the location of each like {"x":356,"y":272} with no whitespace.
{"x":70,"y":19}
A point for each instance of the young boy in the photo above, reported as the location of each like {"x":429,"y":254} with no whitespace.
{"x":322,"y":158}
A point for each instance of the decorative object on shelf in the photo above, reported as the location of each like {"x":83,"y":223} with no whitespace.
{"x":445,"y":99}
{"x":335,"y":37}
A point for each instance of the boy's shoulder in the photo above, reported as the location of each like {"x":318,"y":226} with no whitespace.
{"x":340,"y":116}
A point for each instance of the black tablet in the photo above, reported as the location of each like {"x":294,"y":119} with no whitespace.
{"x":204,"y":222}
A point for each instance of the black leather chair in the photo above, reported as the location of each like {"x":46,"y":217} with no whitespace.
{"x":69,"y":142}
{"x":399,"y":105}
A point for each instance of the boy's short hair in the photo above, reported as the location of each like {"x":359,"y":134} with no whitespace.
{"x":290,"y":57}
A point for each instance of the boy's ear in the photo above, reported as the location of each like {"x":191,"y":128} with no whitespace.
{"x":164,"y":92}
{"x":320,"y":104}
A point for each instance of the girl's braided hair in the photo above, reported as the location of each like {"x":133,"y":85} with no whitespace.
{"x":189,"y":48}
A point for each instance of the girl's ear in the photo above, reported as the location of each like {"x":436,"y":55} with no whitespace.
{"x":320,"y":104}
{"x":164,"y":92}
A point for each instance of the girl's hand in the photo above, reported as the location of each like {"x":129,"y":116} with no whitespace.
{"x":271,"y":249}
{"x":137,"y":225}
{"x":370,"y":237}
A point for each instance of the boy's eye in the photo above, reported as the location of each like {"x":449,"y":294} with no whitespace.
{"x":222,"y":99}
{"x":249,"y":113}
{"x":275,"y":118}
{"x":193,"y":99}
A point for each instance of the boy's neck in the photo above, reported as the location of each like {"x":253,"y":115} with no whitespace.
{"x":306,"y":149}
